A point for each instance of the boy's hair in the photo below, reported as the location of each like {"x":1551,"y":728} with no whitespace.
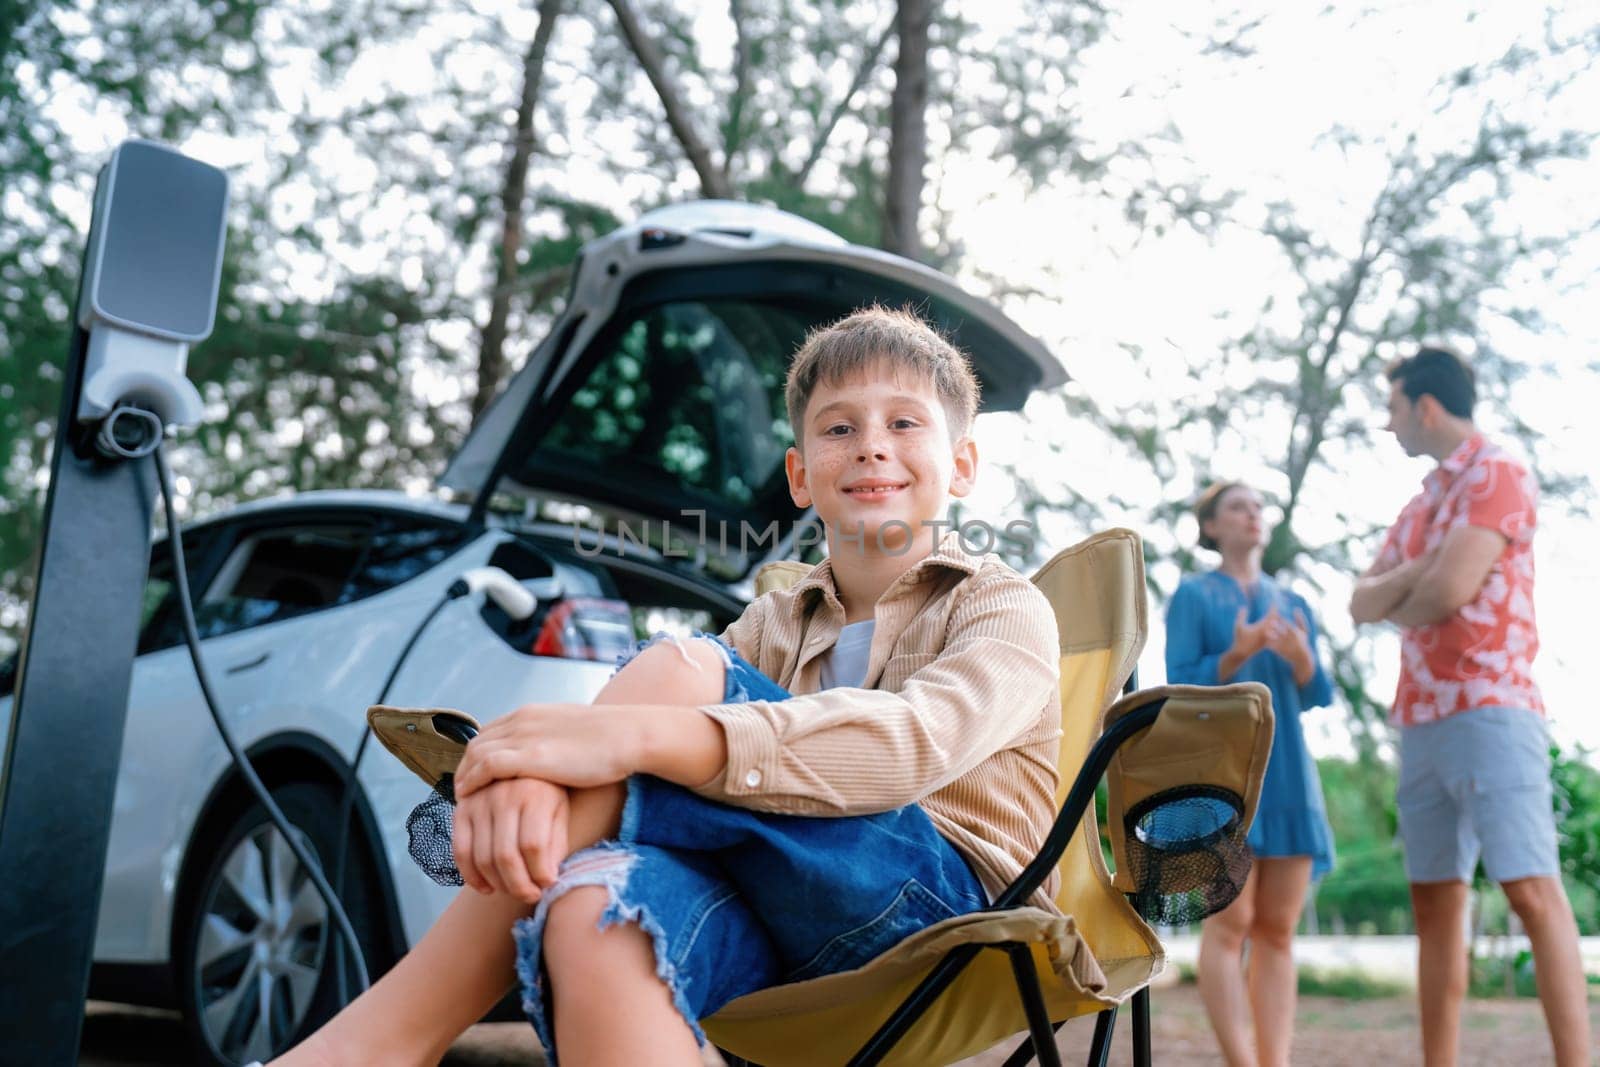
{"x":1205,"y":509}
{"x":1439,"y":373}
{"x":875,"y":335}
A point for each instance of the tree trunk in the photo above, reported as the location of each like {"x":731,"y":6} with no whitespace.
{"x":491,"y":352}
{"x":713,"y":182}
{"x":908,"y":130}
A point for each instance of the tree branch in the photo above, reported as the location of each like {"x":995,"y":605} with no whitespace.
{"x":869,"y":63}
{"x":713,"y":181}
{"x":733,"y":132}
{"x":491,"y":352}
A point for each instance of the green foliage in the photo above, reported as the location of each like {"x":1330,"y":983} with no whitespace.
{"x":1347,"y":984}
{"x":1366,"y":892}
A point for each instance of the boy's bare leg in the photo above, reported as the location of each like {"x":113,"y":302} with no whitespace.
{"x":1280,"y":897}
{"x":1440,"y":909}
{"x":611,"y":1007}
{"x":1541,"y":904}
{"x":1220,"y":975}
{"x":458,"y":971}
{"x":465,"y":963}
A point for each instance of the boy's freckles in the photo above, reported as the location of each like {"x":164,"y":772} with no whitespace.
{"x":876,"y":450}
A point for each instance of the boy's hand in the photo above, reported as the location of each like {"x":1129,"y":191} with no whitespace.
{"x":574,"y":745}
{"x":511,"y":837}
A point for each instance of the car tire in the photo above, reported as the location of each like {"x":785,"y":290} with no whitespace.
{"x":254,"y":960}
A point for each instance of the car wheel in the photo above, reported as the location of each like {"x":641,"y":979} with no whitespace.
{"x":255,"y":964}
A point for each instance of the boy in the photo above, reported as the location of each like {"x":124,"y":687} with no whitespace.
{"x":670,"y":847}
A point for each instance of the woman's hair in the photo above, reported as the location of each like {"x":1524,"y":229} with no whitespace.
{"x":1205,"y":508}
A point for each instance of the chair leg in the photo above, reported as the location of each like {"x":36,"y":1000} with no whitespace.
{"x":1100,"y":1048}
{"x":1141,"y":1028}
{"x":1023,"y":1054}
{"x":1043,"y":1034}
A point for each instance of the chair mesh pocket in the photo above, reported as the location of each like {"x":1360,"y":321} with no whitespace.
{"x":1187,"y":854}
{"x":429,"y":827}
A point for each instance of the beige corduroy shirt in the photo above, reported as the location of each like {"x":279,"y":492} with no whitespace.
{"x":959,"y":711}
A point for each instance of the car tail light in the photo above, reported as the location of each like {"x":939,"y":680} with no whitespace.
{"x":585,"y":628}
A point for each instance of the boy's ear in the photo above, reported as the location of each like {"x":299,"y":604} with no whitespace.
{"x":794,"y":465}
{"x":964,"y":471}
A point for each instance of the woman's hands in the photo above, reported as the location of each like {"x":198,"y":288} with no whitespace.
{"x":511,"y":836}
{"x":1274,"y":633}
{"x":1292,"y":641}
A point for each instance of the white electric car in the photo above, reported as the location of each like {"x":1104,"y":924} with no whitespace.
{"x":655,"y":403}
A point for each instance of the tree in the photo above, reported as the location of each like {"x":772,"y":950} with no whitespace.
{"x":513,"y":198}
{"x":908,"y":130}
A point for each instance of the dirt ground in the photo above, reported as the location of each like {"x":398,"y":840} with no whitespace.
{"x":1331,"y":1033}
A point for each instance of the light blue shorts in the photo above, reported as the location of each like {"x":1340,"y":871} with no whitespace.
{"x":1476,"y":781}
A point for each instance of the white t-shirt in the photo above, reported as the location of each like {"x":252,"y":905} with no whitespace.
{"x":845,"y":664}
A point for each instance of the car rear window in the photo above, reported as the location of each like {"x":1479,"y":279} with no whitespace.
{"x":689,"y":392}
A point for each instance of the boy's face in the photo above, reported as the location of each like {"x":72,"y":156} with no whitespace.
{"x":877,"y":447}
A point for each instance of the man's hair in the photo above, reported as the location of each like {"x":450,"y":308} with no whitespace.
{"x":878,"y":335}
{"x":1439,"y":373}
{"x":1205,"y":509}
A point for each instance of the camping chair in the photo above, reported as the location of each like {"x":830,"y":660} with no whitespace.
{"x":1185,"y":766}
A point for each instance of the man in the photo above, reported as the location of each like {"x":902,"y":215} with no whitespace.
{"x":1456,"y":575}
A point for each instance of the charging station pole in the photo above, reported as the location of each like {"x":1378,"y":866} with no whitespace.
{"x":148,"y":289}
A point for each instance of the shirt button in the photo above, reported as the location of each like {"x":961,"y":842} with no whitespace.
{"x":752,"y":779}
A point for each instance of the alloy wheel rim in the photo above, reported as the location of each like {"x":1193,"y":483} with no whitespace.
{"x":258,"y":955}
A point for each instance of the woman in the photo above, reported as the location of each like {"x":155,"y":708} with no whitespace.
{"x":1235,"y":624}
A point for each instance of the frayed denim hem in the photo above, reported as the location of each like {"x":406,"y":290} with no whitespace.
{"x":609,"y":865}
{"x":677,"y":641}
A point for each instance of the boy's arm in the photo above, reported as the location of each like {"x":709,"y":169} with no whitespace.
{"x":856,"y":751}
{"x":571,"y":745}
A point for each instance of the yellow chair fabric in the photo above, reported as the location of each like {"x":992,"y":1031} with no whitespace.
{"x":1094,"y":955}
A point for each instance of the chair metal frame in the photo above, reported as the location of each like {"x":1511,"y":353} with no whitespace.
{"x":1041,"y":1032}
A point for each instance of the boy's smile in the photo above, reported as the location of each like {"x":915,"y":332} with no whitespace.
{"x":876,"y":452}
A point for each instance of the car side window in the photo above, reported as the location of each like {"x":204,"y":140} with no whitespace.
{"x":159,"y":624}
{"x":280,"y":573}
{"x":398,"y":551}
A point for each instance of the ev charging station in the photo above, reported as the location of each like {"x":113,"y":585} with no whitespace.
{"x":148,"y":290}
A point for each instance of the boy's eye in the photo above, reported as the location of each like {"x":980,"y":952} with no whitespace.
{"x":904,"y":424}
{"x":837,"y":429}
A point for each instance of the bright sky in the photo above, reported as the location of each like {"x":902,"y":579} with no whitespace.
{"x":1255,"y":124}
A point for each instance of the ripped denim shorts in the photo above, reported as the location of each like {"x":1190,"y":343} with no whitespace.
{"x":737,"y":900}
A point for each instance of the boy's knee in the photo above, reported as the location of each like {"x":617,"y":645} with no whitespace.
{"x":697,"y":662}
{"x":573,"y":922}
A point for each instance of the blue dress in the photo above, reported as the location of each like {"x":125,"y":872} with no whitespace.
{"x":1291,"y":819}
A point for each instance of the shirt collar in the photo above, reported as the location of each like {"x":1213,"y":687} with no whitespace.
{"x":1459,"y":459}
{"x":950,"y":554}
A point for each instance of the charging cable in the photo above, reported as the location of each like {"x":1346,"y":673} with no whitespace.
{"x":191,"y":634}
{"x":512,"y":598}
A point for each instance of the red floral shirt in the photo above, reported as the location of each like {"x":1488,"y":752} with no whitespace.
{"x":1481,"y":656}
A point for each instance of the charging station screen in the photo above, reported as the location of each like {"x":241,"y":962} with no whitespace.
{"x":163,"y":239}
